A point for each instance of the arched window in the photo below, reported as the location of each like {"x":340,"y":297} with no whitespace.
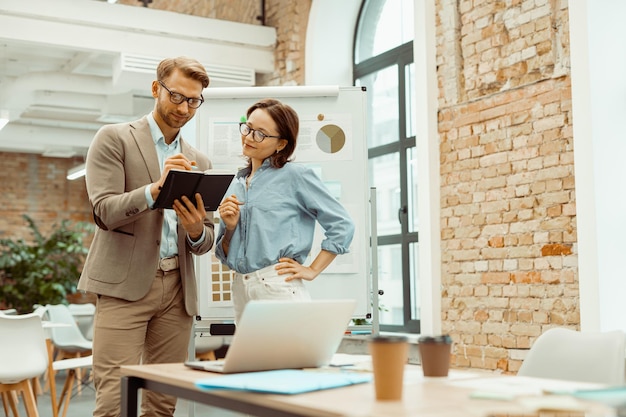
{"x":383,"y":63}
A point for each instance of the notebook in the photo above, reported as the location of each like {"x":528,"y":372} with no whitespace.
{"x":211,"y":184}
{"x":279,"y":334}
{"x":285,"y":381}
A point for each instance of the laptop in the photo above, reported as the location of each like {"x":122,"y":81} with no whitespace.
{"x":280,"y":334}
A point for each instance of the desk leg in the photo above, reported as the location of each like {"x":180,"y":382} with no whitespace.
{"x":129,"y":400}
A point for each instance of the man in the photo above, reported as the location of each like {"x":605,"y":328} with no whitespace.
{"x":140,"y":262}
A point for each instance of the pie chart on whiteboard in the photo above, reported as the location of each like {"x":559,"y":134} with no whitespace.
{"x":330,"y":138}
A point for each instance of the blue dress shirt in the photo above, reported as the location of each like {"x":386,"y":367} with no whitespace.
{"x":278,"y":217}
{"x":169,"y":233}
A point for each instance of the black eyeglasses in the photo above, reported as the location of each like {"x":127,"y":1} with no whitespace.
{"x":178,"y":98}
{"x":258,"y":136}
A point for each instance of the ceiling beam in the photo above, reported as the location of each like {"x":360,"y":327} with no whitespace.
{"x":39,"y":139}
{"x":115,"y":28}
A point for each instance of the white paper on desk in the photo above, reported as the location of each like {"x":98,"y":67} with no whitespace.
{"x":551,"y":403}
{"x":351,"y":362}
{"x":342,"y":359}
{"x":519,"y":385}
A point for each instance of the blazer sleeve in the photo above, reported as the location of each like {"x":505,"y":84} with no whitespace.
{"x":117,"y":172}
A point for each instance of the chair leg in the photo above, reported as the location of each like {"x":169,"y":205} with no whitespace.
{"x":29,"y":399}
{"x":36,"y":387}
{"x":5,"y":404}
{"x":66,"y":392}
{"x":8,"y":401}
{"x":13,"y":400}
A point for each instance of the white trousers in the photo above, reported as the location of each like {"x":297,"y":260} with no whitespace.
{"x":265,"y":284}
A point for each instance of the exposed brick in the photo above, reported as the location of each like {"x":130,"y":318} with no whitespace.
{"x":528,"y":222}
{"x":45,"y":194}
{"x":556,"y":249}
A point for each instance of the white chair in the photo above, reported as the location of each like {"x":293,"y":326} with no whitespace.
{"x":83,"y":314}
{"x":68,"y":340}
{"x":570,"y":355}
{"x":23,"y":356}
{"x":72,"y":366}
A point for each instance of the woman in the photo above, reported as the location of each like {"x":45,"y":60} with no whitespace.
{"x":269,"y":216}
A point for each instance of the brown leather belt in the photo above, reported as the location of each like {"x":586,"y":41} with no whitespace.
{"x":168,"y":264}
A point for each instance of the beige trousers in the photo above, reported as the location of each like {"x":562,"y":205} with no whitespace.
{"x":155,"y":329}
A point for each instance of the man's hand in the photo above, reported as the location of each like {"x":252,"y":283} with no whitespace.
{"x":191,"y":217}
{"x":178,"y":161}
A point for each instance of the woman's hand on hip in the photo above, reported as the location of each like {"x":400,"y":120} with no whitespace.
{"x":297,"y":270}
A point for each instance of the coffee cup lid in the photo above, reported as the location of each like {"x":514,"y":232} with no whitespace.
{"x":388,"y":339}
{"x":444,"y":338}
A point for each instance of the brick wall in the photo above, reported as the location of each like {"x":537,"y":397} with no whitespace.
{"x":509,"y":255}
{"x":36,"y":186}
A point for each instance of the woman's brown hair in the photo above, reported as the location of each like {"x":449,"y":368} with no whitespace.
{"x":287,"y":124}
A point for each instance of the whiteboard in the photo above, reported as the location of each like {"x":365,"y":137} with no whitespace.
{"x":332,"y":142}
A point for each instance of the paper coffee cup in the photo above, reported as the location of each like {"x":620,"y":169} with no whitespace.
{"x":389,"y":356}
{"x":435,"y":354}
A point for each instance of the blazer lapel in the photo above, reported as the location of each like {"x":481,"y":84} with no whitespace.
{"x":140,"y":130}
{"x":187,"y":150}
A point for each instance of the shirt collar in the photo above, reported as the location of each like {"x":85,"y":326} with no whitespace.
{"x":244,"y":172}
{"x":157,"y":135}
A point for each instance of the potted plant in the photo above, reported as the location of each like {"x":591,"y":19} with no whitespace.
{"x":44,"y":270}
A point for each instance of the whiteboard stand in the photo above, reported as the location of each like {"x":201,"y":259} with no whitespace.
{"x":374,"y":270}
{"x":374,"y":326}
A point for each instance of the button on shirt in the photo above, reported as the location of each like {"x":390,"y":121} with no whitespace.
{"x":278,"y":217}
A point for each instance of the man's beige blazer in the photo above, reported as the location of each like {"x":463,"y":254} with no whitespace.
{"x":124,"y":255}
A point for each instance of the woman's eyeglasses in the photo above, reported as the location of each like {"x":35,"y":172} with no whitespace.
{"x":257,"y":136}
{"x":178,"y":98}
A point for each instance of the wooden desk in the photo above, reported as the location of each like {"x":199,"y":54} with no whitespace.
{"x":432,"y":397}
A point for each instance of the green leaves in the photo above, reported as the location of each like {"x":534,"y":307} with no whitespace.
{"x":44,"y":270}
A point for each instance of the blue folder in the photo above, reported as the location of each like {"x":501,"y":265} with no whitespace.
{"x":614,"y":396}
{"x":284,"y":381}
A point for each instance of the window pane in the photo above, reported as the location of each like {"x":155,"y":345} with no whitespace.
{"x":409,"y":79}
{"x":415,"y":281}
{"x":411,"y":164}
{"x":385,"y":176}
{"x":383,"y":25}
{"x":382,"y":106}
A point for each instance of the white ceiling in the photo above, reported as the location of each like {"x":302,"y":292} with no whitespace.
{"x":69,"y":66}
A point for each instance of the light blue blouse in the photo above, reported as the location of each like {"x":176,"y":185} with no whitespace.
{"x":278,"y":218}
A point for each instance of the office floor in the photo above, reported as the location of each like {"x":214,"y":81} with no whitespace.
{"x":82,"y":405}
